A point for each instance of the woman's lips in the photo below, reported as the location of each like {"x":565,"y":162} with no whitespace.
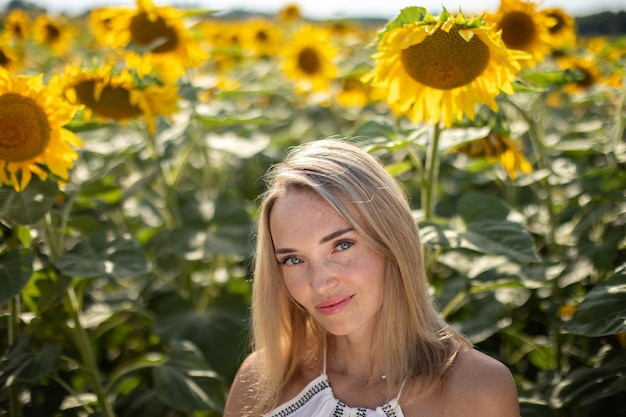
{"x":333,"y":306}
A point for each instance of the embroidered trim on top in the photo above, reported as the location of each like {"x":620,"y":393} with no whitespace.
{"x":305,"y":398}
{"x":389,"y":410}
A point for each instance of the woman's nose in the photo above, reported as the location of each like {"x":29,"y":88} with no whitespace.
{"x":323,"y":276}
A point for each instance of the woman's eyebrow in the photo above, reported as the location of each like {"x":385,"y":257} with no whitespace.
{"x":325,"y":239}
{"x":336,"y":234}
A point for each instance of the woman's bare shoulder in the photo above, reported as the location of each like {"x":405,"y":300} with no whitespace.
{"x":242,"y":396}
{"x":478,"y":384}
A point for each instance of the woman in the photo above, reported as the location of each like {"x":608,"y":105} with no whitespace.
{"x":342,"y":321}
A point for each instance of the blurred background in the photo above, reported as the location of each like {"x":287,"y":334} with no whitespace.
{"x":331,"y":8}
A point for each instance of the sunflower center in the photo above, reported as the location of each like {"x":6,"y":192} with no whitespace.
{"x":18,"y":31}
{"x":587,"y":78}
{"x":24,"y":128}
{"x":309,"y":61}
{"x":52,"y":33}
{"x":4,"y":59}
{"x":144,"y":32}
{"x":444,"y":60}
{"x":261,"y":36}
{"x":518,"y":30}
{"x":114,"y":101}
{"x":559,"y":26}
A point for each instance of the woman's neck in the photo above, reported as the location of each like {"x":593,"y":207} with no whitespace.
{"x":355,"y":358}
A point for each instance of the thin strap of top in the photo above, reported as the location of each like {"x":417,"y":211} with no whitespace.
{"x":400,"y":390}
{"x":324,"y":366}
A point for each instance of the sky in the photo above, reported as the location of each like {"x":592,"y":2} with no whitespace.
{"x":321,"y":9}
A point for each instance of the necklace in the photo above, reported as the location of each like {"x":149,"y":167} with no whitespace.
{"x":364,"y":379}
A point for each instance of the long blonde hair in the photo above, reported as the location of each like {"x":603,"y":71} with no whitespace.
{"x":413,"y":337}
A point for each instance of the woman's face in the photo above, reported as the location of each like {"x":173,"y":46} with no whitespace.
{"x":327,"y":266}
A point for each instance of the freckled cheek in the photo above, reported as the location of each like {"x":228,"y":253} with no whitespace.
{"x":296,"y":287}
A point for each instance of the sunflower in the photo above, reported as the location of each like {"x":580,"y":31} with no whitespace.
{"x":562,"y":28}
{"x":524,"y":28}
{"x":53,"y":33}
{"x":591,"y":71}
{"x":32,"y":137}
{"x":289,"y":13}
{"x":9,"y":58}
{"x":308,"y":59}
{"x":17,"y":25}
{"x":224,"y":39}
{"x":156,"y":38}
{"x":437,"y":69}
{"x":497,"y":147}
{"x":353,"y":93}
{"x":107,"y":95}
{"x":261,"y":37}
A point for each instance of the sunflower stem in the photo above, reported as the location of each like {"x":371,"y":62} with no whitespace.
{"x":619,"y":124}
{"x":83,"y":343}
{"x":13,"y":334}
{"x":173,"y":218}
{"x":432,"y":174}
{"x":536,"y":135}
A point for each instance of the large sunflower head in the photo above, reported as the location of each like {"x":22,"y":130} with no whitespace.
{"x":524,"y":28}
{"x":32,"y":137}
{"x":439,"y":69}
{"x":157,"y":38}
{"x":562,"y":28}
{"x":110,"y":95}
{"x":308,"y":59}
{"x":17,"y":25}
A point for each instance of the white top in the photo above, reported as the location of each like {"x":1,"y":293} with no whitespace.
{"x":317,"y":400}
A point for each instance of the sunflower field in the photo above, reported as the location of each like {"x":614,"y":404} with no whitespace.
{"x":132,"y":145}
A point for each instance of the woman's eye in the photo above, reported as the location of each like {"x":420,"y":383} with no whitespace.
{"x":291,"y":260}
{"x":344,"y":245}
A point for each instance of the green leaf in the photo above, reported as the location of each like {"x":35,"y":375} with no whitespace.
{"x":104,"y":254}
{"x":499,"y":238}
{"x":179,"y":391}
{"x":606,"y":184}
{"x":399,"y":168}
{"x":141,"y":402}
{"x":585,"y":386}
{"x":23,"y":365}
{"x":218,"y":332}
{"x":534,"y":408}
{"x":602,"y":311}
{"x":408,"y":15}
{"x":212,"y":123}
{"x":77,"y":126}
{"x":29,"y":206}
{"x":488,"y":230}
{"x":44,"y":290}
{"x":436,"y":235}
{"x":484,"y":318}
{"x":411,"y":14}
{"x":476,"y":207}
{"x":16,"y":268}
{"x":543,"y":79}
{"x":187,"y":354}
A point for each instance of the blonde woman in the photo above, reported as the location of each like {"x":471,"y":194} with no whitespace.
{"x":342,"y":320}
